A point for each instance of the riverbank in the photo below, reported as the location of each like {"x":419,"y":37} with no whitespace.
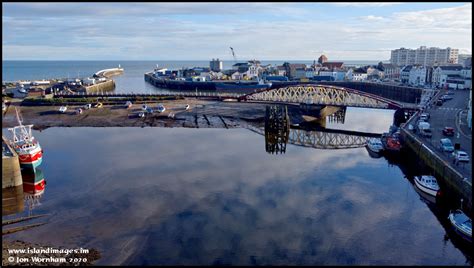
{"x":201,"y":114}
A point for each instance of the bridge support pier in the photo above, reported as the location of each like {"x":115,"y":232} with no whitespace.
{"x":277,"y":129}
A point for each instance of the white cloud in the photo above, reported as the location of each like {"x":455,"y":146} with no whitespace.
{"x":364,"y":4}
{"x":372,"y":18}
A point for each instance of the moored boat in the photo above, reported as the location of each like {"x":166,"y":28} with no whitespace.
{"x":161,"y":108}
{"x":62,"y":109}
{"x":29,"y":151}
{"x":427,"y":184}
{"x":391,"y":143}
{"x":461,"y":223}
{"x":375,"y":145}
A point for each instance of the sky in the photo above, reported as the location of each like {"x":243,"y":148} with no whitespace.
{"x":202,"y":31}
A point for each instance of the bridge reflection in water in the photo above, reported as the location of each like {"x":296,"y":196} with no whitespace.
{"x":278,"y":132}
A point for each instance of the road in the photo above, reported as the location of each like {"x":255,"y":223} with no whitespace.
{"x":453,"y":113}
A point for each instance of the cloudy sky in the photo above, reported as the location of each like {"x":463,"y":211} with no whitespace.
{"x":200,"y":31}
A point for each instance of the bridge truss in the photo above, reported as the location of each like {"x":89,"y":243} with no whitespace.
{"x":322,"y":95}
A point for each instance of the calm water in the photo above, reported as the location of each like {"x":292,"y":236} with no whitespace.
{"x":131,"y":81}
{"x":146,"y":196}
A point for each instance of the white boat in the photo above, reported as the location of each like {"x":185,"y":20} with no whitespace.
{"x":186,"y":107}
{"x":141,"y":114}
{"x":87,"y":106}
{"x":161,"y":108}
{"x":144,"y":107}
{"x":128,"y":104}
{"x":78,"y":111}
{"x":461,"y":223}
{"x":427,"y":184}
{"x":375,"y":145}
{"x":63,"y":109}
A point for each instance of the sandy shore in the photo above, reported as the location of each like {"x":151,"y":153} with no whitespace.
{"x":201,"y":114}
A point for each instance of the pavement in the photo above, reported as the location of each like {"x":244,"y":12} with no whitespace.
{"x":453,"y":113}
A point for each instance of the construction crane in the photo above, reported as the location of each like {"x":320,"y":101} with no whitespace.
{"x":233,"y":54}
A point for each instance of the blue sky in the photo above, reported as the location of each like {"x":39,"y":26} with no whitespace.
{"x":201,"y":31}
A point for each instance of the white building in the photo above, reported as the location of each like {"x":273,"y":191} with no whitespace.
{"x":359,"y":76}
{"x":424,"y":56}
{"x":417,"y":76}
{"x":405,"y":74}
{"x":254,"y":71}
{"x":440,"y":74}
{"x":215,"y":65}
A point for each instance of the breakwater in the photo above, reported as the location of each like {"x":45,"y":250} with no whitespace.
{"x":393,"y":92}
{"x":108,"y":85}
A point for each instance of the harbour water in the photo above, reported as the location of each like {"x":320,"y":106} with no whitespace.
{"x":144,"y":196}
{"x":132,"y":80}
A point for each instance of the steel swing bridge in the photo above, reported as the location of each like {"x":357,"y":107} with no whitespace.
{"x":308,"y":94}
{"x":322,"y":95}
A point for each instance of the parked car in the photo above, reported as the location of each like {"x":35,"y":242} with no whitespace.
{"x":446,"y":97}
{"x":424,"y":116}
{"x":446,"y":145}
{"x":448,"y":131}
{"x":460,"y":156}
{"x":439,"y":102}
{"x":450,"y":93}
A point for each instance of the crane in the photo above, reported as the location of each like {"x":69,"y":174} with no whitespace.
{"x":233,"y":54}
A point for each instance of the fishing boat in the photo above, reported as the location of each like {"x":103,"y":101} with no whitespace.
{"x":33,"y":182}
{"x":427,"y":184}
{"x":375,"y":145}
{"x":29,"y":151}
{"x":461,"y":223}
{"x":62,"y":109}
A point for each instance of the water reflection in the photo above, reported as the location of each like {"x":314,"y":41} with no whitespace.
{"x":12,"y":200}
{"x":152,"y":196}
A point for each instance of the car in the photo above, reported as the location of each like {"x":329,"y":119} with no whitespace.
{"x":446,"y":97}
{"x":450,"y":93}
{"x":448,"y":131}
{"x":439,"y":102}
{"x":446,"y":145}
{"x":460,"y":156}
{"x":424,"y":116}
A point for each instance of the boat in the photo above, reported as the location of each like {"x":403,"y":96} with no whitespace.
{"x":87,"y":106}
{"x":427,"y":184}
{"x":141,"y":114}
{"x":62,"y":109}
{"x":186,"y":107}
{"x":461,"y":223}
{"x":149,"y":110}
{"x":375,"y":145}
{"x":144,"y":107}
{"x":30,"y":153}
{"x":161,"y":108}
{"x":391,"y":143}
{"x":98,"y":105}
{"x":426,"y":198}
{"x":78,"y":111}
{"x":33,"y":182}
{"x":128,"y":104}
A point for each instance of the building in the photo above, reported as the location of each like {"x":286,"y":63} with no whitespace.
{"x":215,"y":65}
{"x":424,"y":56}
{"x":391,"y":71}
{"x":336,"y":75}
{"x":290,"y":69}
{"x":333,"y":64}
{"x":469,"y":113}
{"x":359,"y":74}
{"x":440,"y":74}
{"x":322,"y":59}
{"x":241,"y":67}
{"x":299,"y":73}
{"x":465,"y":59}
{"x":417,"y":75}
{"x":405,"y":74}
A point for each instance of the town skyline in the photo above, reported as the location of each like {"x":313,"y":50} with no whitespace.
{"x":202,"y":31}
